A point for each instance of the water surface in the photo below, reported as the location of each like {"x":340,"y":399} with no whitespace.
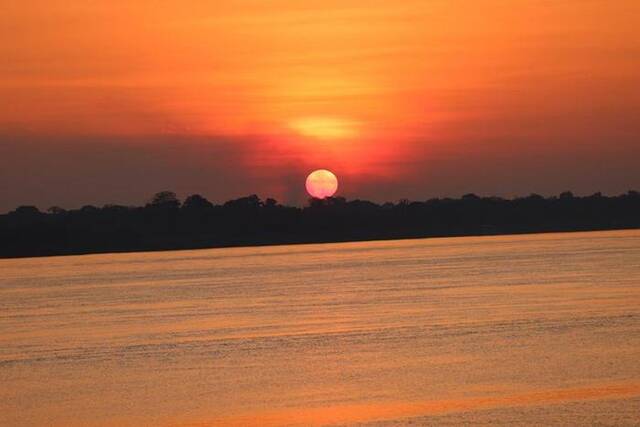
{"x":533,"y":329}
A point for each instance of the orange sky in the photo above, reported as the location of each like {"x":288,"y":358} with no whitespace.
{"x":401,"y":99}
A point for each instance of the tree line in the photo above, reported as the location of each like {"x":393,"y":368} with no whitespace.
{"x":165,"y":222}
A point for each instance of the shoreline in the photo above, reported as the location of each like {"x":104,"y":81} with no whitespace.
{"x":307,"y":242}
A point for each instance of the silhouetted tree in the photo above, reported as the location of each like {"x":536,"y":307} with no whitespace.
{"x":26,"y":212}
{"x":314,"y":202}
{"x":270,"y":203}
{"x":89,"y":209}
{"x":566,"y":195}
{"x":336,"y":201}
{"x":166,"y":199}
{"x":56,"y":210}
{"x":196,"y":202}
{"x":249,"y":202}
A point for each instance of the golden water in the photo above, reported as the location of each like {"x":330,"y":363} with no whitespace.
{"x":535,"y":329}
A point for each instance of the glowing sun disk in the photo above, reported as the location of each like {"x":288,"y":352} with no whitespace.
{"x":321,"y":183}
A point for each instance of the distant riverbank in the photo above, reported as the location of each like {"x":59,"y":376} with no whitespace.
{"x":166,"y":223}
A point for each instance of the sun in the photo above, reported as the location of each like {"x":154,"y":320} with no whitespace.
{"x":321,"y":183}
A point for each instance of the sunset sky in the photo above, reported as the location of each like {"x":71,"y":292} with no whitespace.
{"x":111,"y":101}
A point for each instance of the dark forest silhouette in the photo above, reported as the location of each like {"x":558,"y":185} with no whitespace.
{"x":166,"y":223}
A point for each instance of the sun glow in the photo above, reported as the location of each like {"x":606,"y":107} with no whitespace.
{"x":325,"y":127}
{"x":414,"y":97}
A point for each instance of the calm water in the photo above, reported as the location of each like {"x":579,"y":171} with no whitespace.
{"x":536,"y":329}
